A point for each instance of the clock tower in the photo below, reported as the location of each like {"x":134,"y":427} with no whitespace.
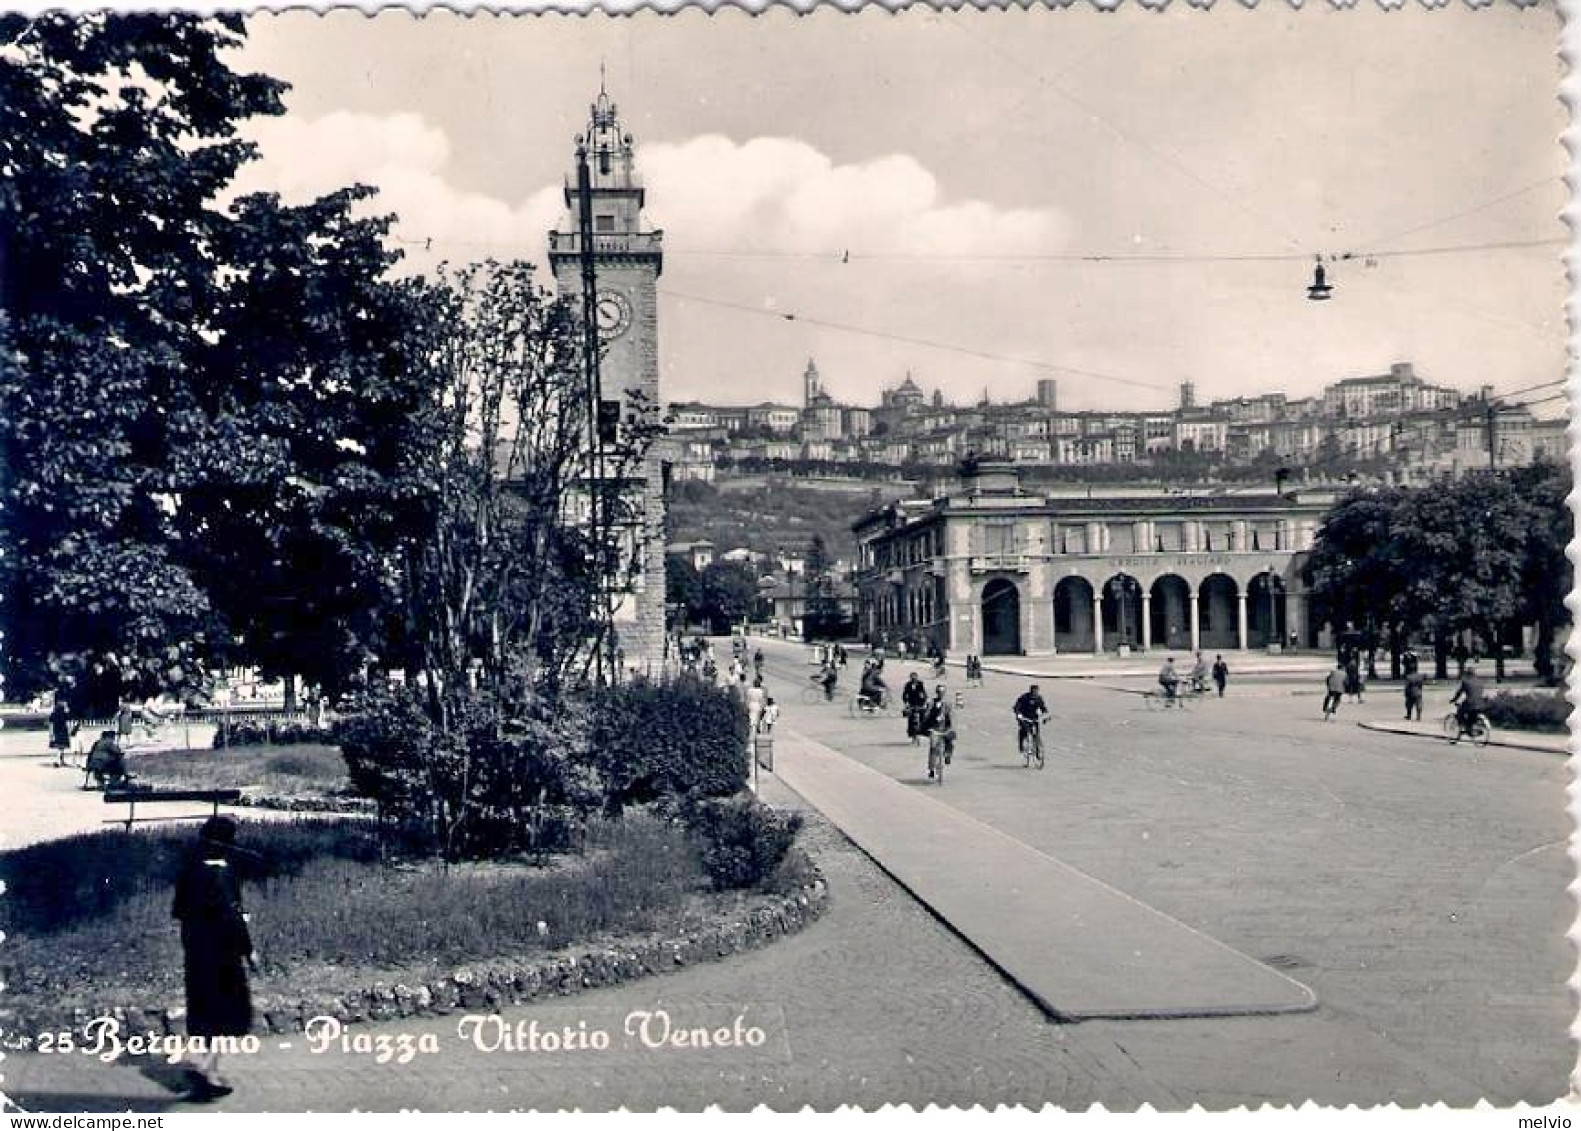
{"x":626,"y":258}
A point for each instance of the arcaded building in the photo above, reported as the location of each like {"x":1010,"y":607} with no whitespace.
{"x":993,"y":569}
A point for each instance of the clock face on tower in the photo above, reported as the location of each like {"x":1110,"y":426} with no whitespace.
{"x":612,"y":314}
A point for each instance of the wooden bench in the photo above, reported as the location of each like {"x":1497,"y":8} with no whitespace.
{"x":133,"y":797}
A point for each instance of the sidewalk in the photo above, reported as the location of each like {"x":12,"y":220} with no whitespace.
{"x":1515,"y":740}
{"x":1079,"y":948}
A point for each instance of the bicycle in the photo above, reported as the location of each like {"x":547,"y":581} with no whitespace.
{"x":1031,"y":742}
{"x":814,"y":693}
{"x":863,"y":707}
{"x":1161,"y":699}
{"x":1478,"y":729}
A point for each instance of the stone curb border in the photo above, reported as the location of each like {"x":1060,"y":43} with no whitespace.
{"x":351,"y":806}
{"x":1385,"y":728}
{"x":488,"y":986}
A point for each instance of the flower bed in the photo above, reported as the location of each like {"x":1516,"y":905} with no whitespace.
{"x":400,"y":942}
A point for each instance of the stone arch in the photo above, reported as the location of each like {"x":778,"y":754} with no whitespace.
{"x":1170,"y":611}
{"x":1073,"y":627}
{"x":1266,"y":619}
{"x":1218,"y":612}
{"x":1122,"y":611}
{"x":1001,"y":615}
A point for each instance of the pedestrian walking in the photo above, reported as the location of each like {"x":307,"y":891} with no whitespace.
{"x":216,"y":949}
{"x":60,"y":729}
{"x":756,"y":699}
{"x":125,"y":721}
{"x":1415,"y":684}
{"x":1334,"y":691}
{"x":1221,"y":674}
{"x":771,"y":715}
{"x":1353,"y":682}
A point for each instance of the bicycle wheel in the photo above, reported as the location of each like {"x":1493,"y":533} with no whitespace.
{"x":1037,"y":746}
{"x":811,"y":694}
{"x":1481,"y":731}
{"x":1451,"y":726}
{"x":1151,"y":699}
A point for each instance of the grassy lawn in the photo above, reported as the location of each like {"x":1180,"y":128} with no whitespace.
{"x":93,"y":924}
{"x":304,"y":769}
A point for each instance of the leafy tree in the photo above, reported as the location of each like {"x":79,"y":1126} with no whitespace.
{"x":729,"y":592}
{"x":300,"y":473}
{"x":1546,"y":574}
{"x":1358,"y":576}
{"x":119,"y":132}
{"x":684,"y":585}
{"x":517,"y":575}
{"x":822,"y":611}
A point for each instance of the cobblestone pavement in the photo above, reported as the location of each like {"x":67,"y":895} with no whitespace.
{"x":1421,"y":894}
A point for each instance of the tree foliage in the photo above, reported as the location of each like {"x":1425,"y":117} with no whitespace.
{"x":1472,"y":556}
{"x":119,"y":133}
{"x":206,"y":410}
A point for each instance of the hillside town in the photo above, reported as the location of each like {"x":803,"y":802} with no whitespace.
{"x":1419,"y":429}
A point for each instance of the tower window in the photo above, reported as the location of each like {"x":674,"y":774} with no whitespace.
{"x":603,"y":222}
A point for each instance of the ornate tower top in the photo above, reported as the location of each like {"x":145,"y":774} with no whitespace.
{"x":610,"y":153}
{"x":616,"y":194}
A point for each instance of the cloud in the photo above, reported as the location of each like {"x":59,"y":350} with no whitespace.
{"x":780,"y":194}
{"x":406,"y":159}
{"x":709,"y":193}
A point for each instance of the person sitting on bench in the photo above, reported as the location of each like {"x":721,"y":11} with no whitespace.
{"x":107,"y":762}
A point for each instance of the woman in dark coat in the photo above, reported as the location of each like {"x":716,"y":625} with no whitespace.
{"x":216,"y":947}
{"x":60,"y":730}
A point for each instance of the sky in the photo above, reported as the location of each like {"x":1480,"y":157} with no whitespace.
{"x":1120,"y":201}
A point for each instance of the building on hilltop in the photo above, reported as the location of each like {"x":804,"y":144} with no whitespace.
{"x":1399,"y":391}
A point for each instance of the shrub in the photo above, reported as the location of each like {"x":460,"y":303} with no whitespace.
{"x":261,"y":732}
{"x":741,"y":840}
{"x":1537,"y":710}
{"x":681,"y":737}
{"x":488,"y":785}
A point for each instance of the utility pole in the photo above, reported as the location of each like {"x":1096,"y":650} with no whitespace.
{"x":595,"y":405}
{"x":1487,"y":408}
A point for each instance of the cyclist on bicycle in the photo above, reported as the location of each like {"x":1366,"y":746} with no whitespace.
{"x":873,"y":692}
{"x":1169,"y":679}
{"x":1030,"y":712}
{"x":914,"y":697}
{"x":1468,"y":700}
{"x":1199,"y":675}
{"x":828,"y":676}
{"x":938,"y":725}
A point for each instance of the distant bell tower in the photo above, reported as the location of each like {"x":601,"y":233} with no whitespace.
{"x":811,"y":384}
{"x":626,"y":259}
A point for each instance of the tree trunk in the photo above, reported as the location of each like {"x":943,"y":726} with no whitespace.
{"x":290,"y":692}
{"x":1497,"y":637}
{"x":1440,"y":654}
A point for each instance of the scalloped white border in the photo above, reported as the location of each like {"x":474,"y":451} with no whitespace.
{"x":1569,"y":93}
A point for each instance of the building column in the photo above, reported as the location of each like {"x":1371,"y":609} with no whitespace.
{"x":1196,"y":625}
{"x":1097,"y":623}
{"x":1240,"y":619}
{"x":1147,"y":621}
